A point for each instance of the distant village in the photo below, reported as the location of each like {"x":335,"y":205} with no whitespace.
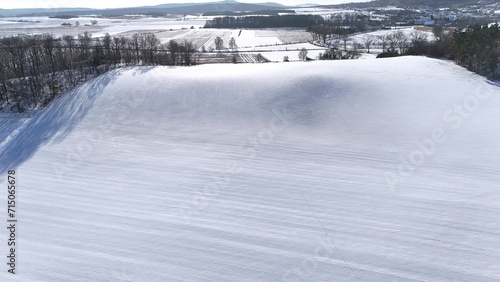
{"x":387,"y":17}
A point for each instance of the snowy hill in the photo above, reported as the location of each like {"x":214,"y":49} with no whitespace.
{"x":368,"y":170}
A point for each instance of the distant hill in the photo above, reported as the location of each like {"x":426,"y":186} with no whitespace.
{"x":226,"y":2}
{"x":429,"y":3}
{"x":19,"y":12}
{"x":182,"y":8}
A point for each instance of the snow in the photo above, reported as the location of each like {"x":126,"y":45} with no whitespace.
{"x":283,"y":47}
{"x":40,"y":25}
{"x":277,"y":52}
{"x":261,"y":172}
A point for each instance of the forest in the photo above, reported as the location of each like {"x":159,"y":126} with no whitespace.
{"x":478,"y":49}
{"x":35,"y":69}
{"x":303,"y":21}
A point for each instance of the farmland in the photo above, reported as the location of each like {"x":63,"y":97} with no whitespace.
{"x":152,"y":148}
{"x":166,"y":29}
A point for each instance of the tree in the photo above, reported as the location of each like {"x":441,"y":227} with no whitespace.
{"x":331,"y":54}
{"x":35,"y":69}
{"x":303,"y":54}
{"x":286,"y":59}
{"x":219,"y":43}
{"x":438,"y":32}
{"x":368,"y":41}
{"x":442,"y":42}
{"x":383,"y":41}
{"x":49,"y":44}
{"x":401,"y":40}
{"x":187,"y":52}
{"x":232,"y":44}
{"x":173,"y":49}
{"x":418,"y":44}
{"x":150,"y":45}
{"x":477,"y":49}
{"x":393,"y":42}
{"x":345,"y":40}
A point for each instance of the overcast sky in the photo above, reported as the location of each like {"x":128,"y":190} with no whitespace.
{"x":11,"y":4}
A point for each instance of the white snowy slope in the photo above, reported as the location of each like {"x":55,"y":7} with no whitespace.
{"x":368,"y":170}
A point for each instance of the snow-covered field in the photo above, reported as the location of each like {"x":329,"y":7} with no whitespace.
{"x":277,"y":52}
{"x":166,"y":30}
{"x":364,"y":170}
{"x":40,"y":25}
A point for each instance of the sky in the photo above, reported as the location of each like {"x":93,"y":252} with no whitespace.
{"x":10,"y":4}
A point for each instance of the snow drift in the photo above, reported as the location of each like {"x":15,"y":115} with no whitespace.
{"x":370,"y":170}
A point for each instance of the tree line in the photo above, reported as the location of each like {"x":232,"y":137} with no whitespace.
{"x":303,"y":21}
{"x":341,"y":25}
{"x":323,"y":32}
{"x":476,"y":48}
{"x":35,"y":69}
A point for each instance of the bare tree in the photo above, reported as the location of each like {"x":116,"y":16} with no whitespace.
{"x":345,"y":39}
{"x":303,"y":54}
{"x":392,"y":42}
{"x":219,"y":43}
{"x":232,"y":44}
{"x":368,"y":42}
{"x":173,"y":48}
{"x":419,"y":44}
{"x":401,"y":40}
{"x":187,"y":51}
{"x":136,"y":45}
{"x":49,"y":46}
{"x":4,"y":91}
{"x":69,"y":57}
{"x":150,"y":46}
{"x":35,"y":69}
{"x":384,"y":39}
{"x":417,"y":35}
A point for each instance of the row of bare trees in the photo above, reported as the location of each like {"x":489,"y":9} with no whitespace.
{"x":35,"y":69}
{"x":392,"y":42}
{"x":398,"y":42}
{"x":325,"y":32}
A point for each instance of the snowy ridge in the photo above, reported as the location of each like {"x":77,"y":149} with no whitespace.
{"x":368,"y":170}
